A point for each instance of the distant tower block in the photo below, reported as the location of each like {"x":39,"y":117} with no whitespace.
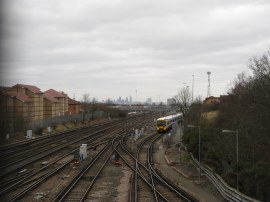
{"x":208,"y":89}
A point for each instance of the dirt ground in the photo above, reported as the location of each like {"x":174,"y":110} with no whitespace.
{"x":175,"y":163}
{"x":186,"y":175}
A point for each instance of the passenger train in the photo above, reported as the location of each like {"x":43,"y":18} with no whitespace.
{"x":164,"y":124}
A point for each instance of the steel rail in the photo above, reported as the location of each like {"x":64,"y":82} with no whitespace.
{"x":149,"y":171}
{"x":151,"y":175}
{"x":51,"y":135}
{"x":64,"y":193}
{"x":39,"y":181}
{"x":170,"y":185}
{"x":45,"y":176}
{"x":98,"y":173}
{"x":18,"y":196}
{"x":24,"y":181}
{"x":24,"y":162}
{"x":134,"y":170}
{"x":67,"y":137}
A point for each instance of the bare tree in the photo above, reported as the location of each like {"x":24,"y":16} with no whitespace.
{"x":86,"y":105}
{"x":89,"y":106}
{"x":93,"y":107}
{"x":183,"y":100}
{"x":261,"y":66}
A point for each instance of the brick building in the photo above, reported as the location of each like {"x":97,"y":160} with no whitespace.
{"x":55,"y":103}
{"x":74,"y":107}
{"x":20,"y":105}
{"x":23,"y":104}
{"x":35,"y":96}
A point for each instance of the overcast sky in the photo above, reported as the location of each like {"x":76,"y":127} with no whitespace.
{"x":111,"y":48}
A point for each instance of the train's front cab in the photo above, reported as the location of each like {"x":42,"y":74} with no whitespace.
{"x":161,"y":126}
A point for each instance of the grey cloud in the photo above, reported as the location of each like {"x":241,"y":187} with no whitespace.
{"x":132,"y":44}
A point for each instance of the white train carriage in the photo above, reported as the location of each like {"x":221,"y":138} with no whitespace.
{"x":164,"y":124}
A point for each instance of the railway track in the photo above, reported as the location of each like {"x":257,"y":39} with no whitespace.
{"x":142,"y":184}
{"x":31,"y":153}
{"x":18,"y":190}
{"x":21,"y":146}
{"x":20,"y":186}
{"x":147,"y":184}
{"x":81,"y":185}
{"x":164,"y":185}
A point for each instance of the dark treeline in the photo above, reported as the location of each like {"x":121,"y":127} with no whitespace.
{"x":246,"y":109}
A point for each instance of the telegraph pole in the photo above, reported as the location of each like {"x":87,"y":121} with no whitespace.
{"x":208,"y":89}
{"x":192,"y":86}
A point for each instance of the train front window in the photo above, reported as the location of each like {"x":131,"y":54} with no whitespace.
{"x":161,"y":123}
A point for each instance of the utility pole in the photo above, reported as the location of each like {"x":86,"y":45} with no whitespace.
{"x":158,"y":105}
{"x":208,"y":89}
{"x":200,"y":171}
{"x":192,"y":86}
{"x":237,"y":151}
{"x":136,"y":95}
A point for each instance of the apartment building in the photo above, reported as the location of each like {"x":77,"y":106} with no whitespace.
{"x":55,"y":103}
{"x":31,"y":94}
{"x":74,"y":107}
{"x":22,"y":104}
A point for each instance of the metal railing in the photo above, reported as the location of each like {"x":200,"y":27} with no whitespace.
{"x":226,"y":191}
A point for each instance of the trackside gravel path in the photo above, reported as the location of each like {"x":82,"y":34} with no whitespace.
{"x":205,"y":192}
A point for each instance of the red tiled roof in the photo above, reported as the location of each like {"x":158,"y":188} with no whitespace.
{"x":50,"y":98}
{"x":19,"y":96}
{"x":34,"y":89}
{"x":53,"y":93}
{"x":73,"y":102}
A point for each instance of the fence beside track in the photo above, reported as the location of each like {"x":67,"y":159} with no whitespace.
{"x":226,"y":191}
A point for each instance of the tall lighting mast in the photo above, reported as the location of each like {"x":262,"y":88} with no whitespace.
{"x":192,"y":86}
{"x":208,"y":89}
{"x":136,"y":96}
